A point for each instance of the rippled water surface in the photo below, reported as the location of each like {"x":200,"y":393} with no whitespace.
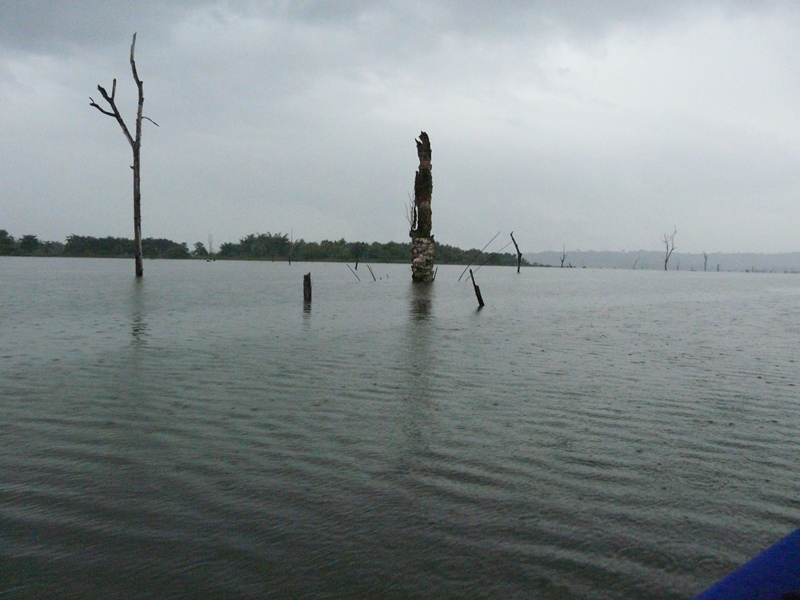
{"x":202,"y":433}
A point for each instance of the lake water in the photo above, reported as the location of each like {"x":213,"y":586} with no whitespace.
{"x":203,"y":433}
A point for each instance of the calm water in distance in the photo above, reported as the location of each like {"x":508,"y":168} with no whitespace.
{"x":201,"y":433}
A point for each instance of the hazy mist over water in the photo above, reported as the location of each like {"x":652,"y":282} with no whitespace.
{"x":588,"y":434}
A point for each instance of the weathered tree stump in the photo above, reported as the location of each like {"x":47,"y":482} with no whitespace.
{"x":422,"y":244}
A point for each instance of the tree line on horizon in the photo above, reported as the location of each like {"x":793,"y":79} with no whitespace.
{"x":255,"y":246}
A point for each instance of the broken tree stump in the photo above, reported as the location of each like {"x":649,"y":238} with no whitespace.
{"x":422,"y":244}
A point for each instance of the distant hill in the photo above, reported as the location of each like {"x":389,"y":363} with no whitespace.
{"x":648,"y":259}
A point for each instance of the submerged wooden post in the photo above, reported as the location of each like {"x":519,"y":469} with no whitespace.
{"x":477,"y":290}
{"x":422,"y":245}
{"x":307,"y":287}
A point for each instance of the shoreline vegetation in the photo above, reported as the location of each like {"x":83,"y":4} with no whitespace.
{"x":279,"y":247}
{"x":255,"y":246}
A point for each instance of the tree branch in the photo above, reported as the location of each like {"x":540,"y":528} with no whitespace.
{"x":98,"y":107}
{"x":114,"y":112}
{"x":133,"y":62}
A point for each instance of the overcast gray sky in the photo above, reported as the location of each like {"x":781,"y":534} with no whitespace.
{"x":595,"y":125}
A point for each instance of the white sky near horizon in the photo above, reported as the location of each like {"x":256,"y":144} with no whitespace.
{"x":599,"y":126}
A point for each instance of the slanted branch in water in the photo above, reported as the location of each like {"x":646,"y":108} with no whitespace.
{"x":491,"y":256}
{"x":353,"y":272}
{"x":477,"y":289}
{"x":477,"y":255}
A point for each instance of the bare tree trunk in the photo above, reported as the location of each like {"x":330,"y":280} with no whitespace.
{"x":563,"y":255}
{"x":137,"y":207}
{"x":136,"y":145}
{"x":422,"y":244}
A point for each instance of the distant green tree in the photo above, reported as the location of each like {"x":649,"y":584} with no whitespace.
{"x":163,"y":248}
{"x":180,"y":250}
{"x":52,"y":248}
{"x":199,"y":250}
{"x":7,"y":244}
{"x":29,"y":244}
{"x":228,"y":250}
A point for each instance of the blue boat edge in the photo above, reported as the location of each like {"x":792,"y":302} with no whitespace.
{"x":772,"y":575}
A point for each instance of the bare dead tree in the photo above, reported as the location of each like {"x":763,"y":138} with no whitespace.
{"x":669,"y":246}
{"x":519,"y":254}
{"x":135,"y":141}
{"x":563,"y":255}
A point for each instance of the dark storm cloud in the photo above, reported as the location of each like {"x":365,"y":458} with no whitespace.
{"x":595,"y":124}
{"x":52,"y":26}
{"x":56,"y":25}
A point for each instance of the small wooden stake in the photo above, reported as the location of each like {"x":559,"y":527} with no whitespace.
{"x":307,"y":287}
{"x":477,"y":290}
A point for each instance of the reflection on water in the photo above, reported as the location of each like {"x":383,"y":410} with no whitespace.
{"x":421,"y":300}
{"x":138,"y":324}
{"x":418,"y":382}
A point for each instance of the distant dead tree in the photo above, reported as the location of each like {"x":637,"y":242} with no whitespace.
{"x":519,"y":254}
{"x":136,"y":144}
{"x":705,"y":262}
{"x":563,"y":255}
{"x":669,"y":246}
